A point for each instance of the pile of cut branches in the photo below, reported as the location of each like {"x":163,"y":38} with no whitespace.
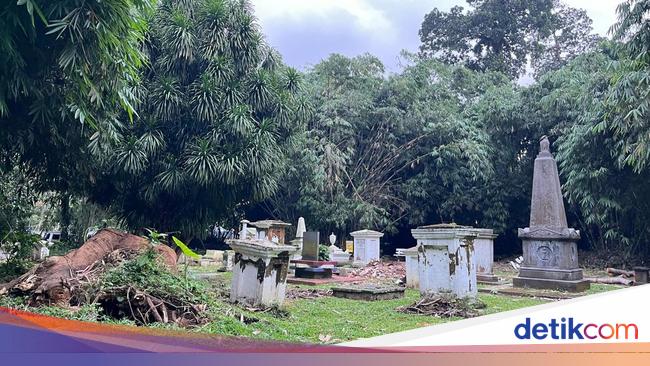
{"x":444,"y":306}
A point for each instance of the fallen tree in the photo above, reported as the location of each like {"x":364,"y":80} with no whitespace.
{"x":621,"y":280}
{"x":124,"y":274}
{"x":51,"y":281}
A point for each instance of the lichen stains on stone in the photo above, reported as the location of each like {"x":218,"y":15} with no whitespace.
{"x":281,"y":267}
{"x":468,"y":244}
{"x":454,"y":261}
{"x":259,"y":264}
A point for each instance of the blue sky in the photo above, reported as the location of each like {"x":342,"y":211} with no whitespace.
{"x":306,"y":31}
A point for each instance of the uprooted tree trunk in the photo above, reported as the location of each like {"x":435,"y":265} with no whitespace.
{"x":51,"y":281}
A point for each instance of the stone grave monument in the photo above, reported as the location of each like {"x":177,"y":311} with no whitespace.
{"x":310,"y":242}
{"x":300,"y":232}
{"x":446,"y":259}
{"x":484,"y":255}
{"x":310,"y":266}
{"x":336,"y":254}
{"x":549,"y":245}
{"x":260,"y":271}
{"x":366,"y":246}
{"x":411,"y":264}
{"x":271,"y":230}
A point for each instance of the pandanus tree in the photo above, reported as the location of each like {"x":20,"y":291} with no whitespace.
{"x":216,"y":108}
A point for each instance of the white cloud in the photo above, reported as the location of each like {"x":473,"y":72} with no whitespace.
{"x":366,"y":16}
{"x":602,"y":12}
{"x":306,"y":31}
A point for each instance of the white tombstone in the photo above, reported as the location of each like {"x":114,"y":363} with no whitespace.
{"x":259,"y":272}
{"x":366,"y":246}
{"x":228,"y":259}
{"x":411,"y":264}
{"x":446,"y":260}
{"x":484,"y":255}
{"x":44,"y":253}
{"x":301,"y":228}
{"x":243,"y":234}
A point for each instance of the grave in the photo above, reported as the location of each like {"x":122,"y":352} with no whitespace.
{"x":336,"y":254}
{"x":366,"y":246}
{"x":212,"y":258}
{"x":484,"y":255}
{"x":309,"y":266}
{"x":259,"y":272}
{"x":271,"y":230}
{"x":368,"y":293}
{"x":314,"y":273}
{"x":549,"y":245}
{"x":228,"y":260}
{"x":446,"y":259}
{"x":300,"y":232}
{"x":310,"y":242}
{"x":411,"y":264}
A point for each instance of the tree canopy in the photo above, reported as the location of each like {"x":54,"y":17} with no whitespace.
{"x":216,"y":106}
{"x":501,"y":35}
{"x":179,"y":115}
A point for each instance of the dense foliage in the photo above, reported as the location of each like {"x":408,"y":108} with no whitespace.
{"x":501,"y":35}
{"x":216,"y":107}
{"x":181,"y":116}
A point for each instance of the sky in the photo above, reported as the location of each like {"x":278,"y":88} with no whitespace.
{"x":306,"y":31}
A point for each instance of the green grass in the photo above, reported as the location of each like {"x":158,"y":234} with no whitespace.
{"x":341,"y":319}
{"x":331,"y":320}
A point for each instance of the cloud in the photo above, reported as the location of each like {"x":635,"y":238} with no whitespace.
{"x":361,"y":12}
{"x":306,"y":31}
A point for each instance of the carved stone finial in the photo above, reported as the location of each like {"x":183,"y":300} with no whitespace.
{"x":544,"y":145}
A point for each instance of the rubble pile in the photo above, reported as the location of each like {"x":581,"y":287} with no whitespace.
{"x":377,"y":270}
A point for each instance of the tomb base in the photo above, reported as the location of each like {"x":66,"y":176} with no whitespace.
{"x":368,"y":293}
{"x":487,"y":278}
{"x":546,"y":284}
{"x":550,"y":260}
{"x":314,"y":273}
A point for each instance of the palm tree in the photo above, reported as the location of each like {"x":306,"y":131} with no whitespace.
{"x":216,"y":108}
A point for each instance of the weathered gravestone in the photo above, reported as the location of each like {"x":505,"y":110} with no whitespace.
{"x":366,"y":246}
{"x":300,"y":232}
{"x":259,"y":271}
{"x":446,"y":260}
{"x":484,"y":255}
{"x":310,"y":242}
{"x":549,"y":245}
{"x":368,"y":292}
{"x":411,"y":264}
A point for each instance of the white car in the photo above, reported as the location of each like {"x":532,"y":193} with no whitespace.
{"x":49,"y":237}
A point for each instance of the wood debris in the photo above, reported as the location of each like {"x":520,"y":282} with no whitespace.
{"x":443,"y":306}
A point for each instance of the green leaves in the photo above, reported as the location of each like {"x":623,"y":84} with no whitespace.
{"x":185,"y":249}
{"x":31,"y":7}
{"x":628,"y":102}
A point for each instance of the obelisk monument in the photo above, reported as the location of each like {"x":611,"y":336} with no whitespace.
{"x":549,"y":245}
